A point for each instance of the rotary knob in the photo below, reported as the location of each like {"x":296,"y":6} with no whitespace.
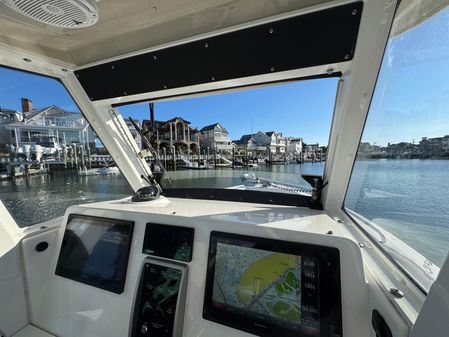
{"x":144,"y":329}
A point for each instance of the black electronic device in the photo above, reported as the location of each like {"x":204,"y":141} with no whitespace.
{"x":171,"y":242}
{"x":160,"y":300}
{"x":273,"y":288}
{"x":95,"y":251}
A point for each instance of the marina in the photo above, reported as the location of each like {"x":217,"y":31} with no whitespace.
{"x":224,"y":168}
{"x":387,"y":192}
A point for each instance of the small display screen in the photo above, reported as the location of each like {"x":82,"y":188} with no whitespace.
{"x":270,"y":287}
{"x":172,"y":242}
{"x":95,"y":251}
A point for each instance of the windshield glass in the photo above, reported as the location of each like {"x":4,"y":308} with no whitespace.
{"x":253,"y":139}
{"x":400,"y":181}
{"x":50,"y":157}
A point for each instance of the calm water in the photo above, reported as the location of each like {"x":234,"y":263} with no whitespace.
{"x":408,"y":197}
{"x":41,"y":198}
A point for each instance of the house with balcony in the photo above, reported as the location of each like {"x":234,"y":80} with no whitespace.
{"x":254,"y":144}
{"x":278,"y":143}
{"x":175,"y":133}
{"x":43,"y":126}
{"x":216,"y":138}
{"x":294,"y":146}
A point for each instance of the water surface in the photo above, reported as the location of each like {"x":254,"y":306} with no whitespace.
{"x":407,"y":197}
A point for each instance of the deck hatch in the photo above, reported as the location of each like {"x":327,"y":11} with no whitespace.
{"x":318,"y":38}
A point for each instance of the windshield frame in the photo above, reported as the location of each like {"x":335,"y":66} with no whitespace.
{"x":223,"y":194}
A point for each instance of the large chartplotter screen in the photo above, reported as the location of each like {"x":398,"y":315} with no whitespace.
{"x":273,"y":288}
{"x":95,"y":251}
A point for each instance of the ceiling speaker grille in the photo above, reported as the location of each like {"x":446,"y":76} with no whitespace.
{"x":60,"y":13}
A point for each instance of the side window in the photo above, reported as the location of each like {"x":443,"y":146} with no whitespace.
{"x":50,"y":158}
{"x":400,"y":181}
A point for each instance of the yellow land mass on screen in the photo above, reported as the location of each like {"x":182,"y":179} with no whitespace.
{"x":262,"y":273}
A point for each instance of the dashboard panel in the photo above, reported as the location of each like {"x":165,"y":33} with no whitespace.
{"x":77,"y":309}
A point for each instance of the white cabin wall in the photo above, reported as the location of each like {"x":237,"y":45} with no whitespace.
{"x":13,"y":308}
{"x":37,"y":269}
{"x":68,"y":308}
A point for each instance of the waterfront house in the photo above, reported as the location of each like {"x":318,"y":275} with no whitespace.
{"x":368,"y":151}
{"x":311,"y":151}
{"x":175,"y":133}
{"x":216,"y":138}
{"x":262,"y":141}
{"x":437,"y":147}
{"x":278,"y":143}
{"x":401,"y":150}
{"x":37,"y":126}
{"x":253,"y":144}
{"x":133,"y":131}
{"x":7,"y":116}
{"x":294,"y":146}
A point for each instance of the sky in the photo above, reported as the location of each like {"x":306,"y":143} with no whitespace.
{"x":301,"y":109}
{"x":411,"y":99}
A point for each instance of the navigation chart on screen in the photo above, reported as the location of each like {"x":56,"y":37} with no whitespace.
{"x":262,"y":282}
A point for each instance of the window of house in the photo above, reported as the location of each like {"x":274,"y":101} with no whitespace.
{"x":46,"y":159}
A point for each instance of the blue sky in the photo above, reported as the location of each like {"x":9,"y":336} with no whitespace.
{"x":300,"y":109}
{"x":411,"y":98}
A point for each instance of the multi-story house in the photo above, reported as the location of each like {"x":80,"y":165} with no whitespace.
{"x":134,"y":132}
{"x":175,"y":133}
{"x":253,"y":143}
{"x":262,"y":141}
{"x":47,"y":125}
{"x":294,"y":145}
{"x":7,"y":117}
{"x":215,"y":137}
{"x":434,"y":147}
{"x":311,"y":151}
{"x":278,"y":143}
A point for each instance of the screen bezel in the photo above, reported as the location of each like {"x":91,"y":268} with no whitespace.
{"x":113,"y":286}
{"x":329,"y":287}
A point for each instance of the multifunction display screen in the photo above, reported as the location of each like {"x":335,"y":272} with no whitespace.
{"x":172,"y":242}
{"x":273,"y":288}
{"x":95,"y":251}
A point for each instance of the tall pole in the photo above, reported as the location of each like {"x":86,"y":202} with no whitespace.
{"x":75,"y":156}
{"x":174,"y":158}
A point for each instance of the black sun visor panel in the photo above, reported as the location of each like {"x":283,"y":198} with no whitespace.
{"x":319,"y":38}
